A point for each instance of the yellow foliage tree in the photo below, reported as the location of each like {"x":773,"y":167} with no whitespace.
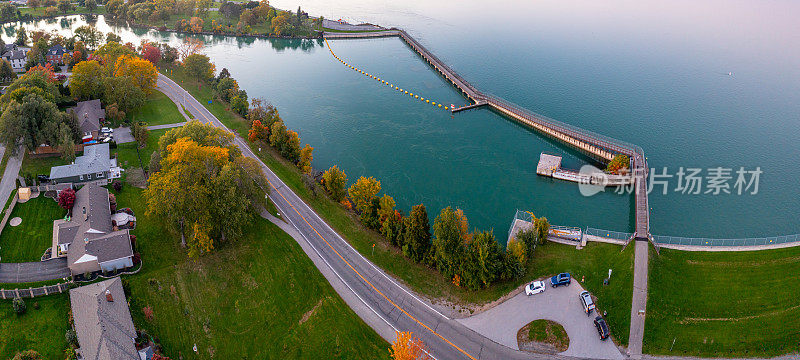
{"x":306,"y":156}
{"x":387,"y":207}
{"x":142,"y":72}
{"x":408,"y":347}
{"x":363,"y":191}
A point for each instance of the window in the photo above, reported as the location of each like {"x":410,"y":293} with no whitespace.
{"x":81,"y":177}
{"x":99,"y":175}
{"x":88,"y":176}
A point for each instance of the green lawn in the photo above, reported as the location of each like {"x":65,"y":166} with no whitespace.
{"x":41,"y":330}
{"x":127,"y":157}
{"x":594,"y":260}
{"x":248,"y":299}
{"x":724,"y":304}
{"x":545,"y":331}
{"x":157,"y":110}
{"x":29,"y":240}
{"x":40,"y":165}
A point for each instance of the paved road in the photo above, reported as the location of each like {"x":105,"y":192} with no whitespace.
{"x":9,"y":181}
{"x":33,"y":271}
{"x":639,"y":299}
{"x":561,"y":305}
{"x":389,"y":301}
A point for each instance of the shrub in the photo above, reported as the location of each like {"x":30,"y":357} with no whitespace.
{"x":148,"y":313}
{"x":334,"y":181}
{"x":28,"y":355}
{"x":66,"y":198}
{"x":72,"y":337}
{"x":19,"y":306}
{"x":117,"y":185}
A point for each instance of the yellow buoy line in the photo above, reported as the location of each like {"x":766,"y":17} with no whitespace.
{"x":394,"y":87}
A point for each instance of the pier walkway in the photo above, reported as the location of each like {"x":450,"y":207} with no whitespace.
{"x":597,"y":146}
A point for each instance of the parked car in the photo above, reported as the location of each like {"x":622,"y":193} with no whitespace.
{"x":534,"y":288}
{"x":602,"y":327}
{"x":588,"y":304}
{"x":560,"y":279}
{"x":107,"y":130}
{"x":42,"y":178}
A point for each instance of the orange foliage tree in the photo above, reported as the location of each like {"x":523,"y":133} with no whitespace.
{"x":408,"y":347}
{"x":142,"y":72}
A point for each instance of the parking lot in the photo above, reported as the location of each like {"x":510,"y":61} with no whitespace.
{"x":561,"y":305}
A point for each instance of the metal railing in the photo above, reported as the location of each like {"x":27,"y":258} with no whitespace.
{"x":608,"y":234}
{"x":697,"y":241}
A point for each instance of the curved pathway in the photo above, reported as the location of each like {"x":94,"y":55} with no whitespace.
{"x":387,"y":300}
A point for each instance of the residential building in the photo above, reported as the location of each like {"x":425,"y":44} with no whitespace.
{"x":94,"y":166}
{"x":17,"y":58}
{"x":103,"y":322}
{"x":89,"y":115}
{"x":54,"y":54}
{"x":89,"y":239}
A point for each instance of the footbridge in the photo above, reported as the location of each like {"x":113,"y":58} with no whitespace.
{"x":599,"y":147}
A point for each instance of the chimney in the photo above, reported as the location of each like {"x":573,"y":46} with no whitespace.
{"x":85,"y":215}
{"x":109,"y":298}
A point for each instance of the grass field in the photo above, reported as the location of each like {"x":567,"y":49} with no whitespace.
{"x":257,"y":298}
{"x":594,"y":261}
{"x":40,"y":165}
{"x":42,"y":330}
{"x":545,"y":331}
{"x":157,"y":110}
{"x":29,"y":240}
{"x":724,"y":304}
{"x":39,"y":11}
{"x":126,"y":153}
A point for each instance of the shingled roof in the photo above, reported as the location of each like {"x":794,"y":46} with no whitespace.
{"x":103,"y":321}
{"x":88,"y":114}
{"x":95,"y":159}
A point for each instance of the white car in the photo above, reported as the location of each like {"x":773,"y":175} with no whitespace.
{"x":107,"y":130}
{"x":534,"y":288}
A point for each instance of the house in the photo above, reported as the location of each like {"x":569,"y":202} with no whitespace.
{"x":89,"y":115}
{"x":90,"y":240}
{"x":103,"y":322}
{"x":55,"y":53}
{"x":17,"y":58}
{"x":94,"y":166}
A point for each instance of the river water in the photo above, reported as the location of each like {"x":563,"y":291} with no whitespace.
{"x":696,"y":84}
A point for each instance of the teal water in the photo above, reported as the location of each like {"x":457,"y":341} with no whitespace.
{"x":653,"y":73}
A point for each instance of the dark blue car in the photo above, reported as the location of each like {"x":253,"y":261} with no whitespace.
{"x":560,"y":279}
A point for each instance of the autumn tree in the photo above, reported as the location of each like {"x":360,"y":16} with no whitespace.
{"x":363,"y":191}
{"x":417,"y":235}
{"x":6,"y":72}
{"x":66,"y":198}
{"x":451,"y":233}
{"x":86,"y":82}
{"x":334,"y":181}
{"x":195,"y":24}
{"x":618,"y":164}
{"x":408,"y":347}
{"x":280,"y":24}
{"x":87,"y":33}
{"x":111,"y":37}
{"x":64,"y":6}
{"x":199,"y":67}
{"x":199,"y":183}
{"x":542,"y":227}
{"x":258,"y":132}
{"x":151,"y":52}
{"x":386,"y":208}
{"x":189,"y":46}
{"x":306,"y":156}
{"x":90,"y":5}
{"x":141,"y":72}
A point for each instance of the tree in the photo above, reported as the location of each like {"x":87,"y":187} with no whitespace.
{"x":32,"y":122}
{"x":408,"y":347}
{"x":66,"y":198}
{"x":87,"y":33}
{"x":386,"y":208}
{"x":66,"y":142}
{"x":239,"y":104}
{"x":90,"y":5}
{"x":334,"y":181}
{"x":123,"y":92}
{"x":199,"y":67}
{"x":392,"y":228}
{"x":306,"y":156}
{"x":50,"y":11}
{"x":202,"y":134}
{"x":517,"y":250}
{"x":151,"y":52}
{"x":542,"y":229}
{"x":195,"y":24}
{"x":34,"y":3}
{"x":280,"y":25}
{"x":64,"y":6}
{"x":198,"y":183}
{"x":114,"y":113}
{"x":363,"y":191}
{"x":189,"y":46}
{"x":226,"y":88}
{"x":6,"y":72}
{"x":22,"y":36}
{"x":258,"y":132}
{"x":141,"y":72}
{"x":417,"y":236}
{"x":449,"y":239}
{"x":86,"y":82}
{"x":140,"y":133}
{"x":19,"y":306}
{"x":618,"y":164}
{"x":7,"y":11}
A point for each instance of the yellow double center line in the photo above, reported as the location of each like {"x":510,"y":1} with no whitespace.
{"x":342,"y":257}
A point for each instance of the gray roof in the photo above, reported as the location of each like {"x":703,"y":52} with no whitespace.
{"x":95,"y":159}
{"x":57,"y":50}
{"x":15,"y":55}
{"x":10,"y":47}
{"x":105,"y":329}
{"x":89,"y":114}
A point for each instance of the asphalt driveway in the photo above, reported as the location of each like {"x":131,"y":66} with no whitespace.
{"x":33,"y":271}
{"x":561,"y":305}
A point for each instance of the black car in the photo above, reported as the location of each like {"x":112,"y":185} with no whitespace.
{"x":602,"y":327}
{"x":42,"y":178}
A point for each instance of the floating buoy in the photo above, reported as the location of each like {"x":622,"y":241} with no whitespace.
{"x":427,"y":101}
{"x":422,"y":98}
{"x":433,"y":102}
{"x":445,"y":107}
{"x":440,"y":105}
{"x":406,"y":92}
{"x":416,"y":96}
